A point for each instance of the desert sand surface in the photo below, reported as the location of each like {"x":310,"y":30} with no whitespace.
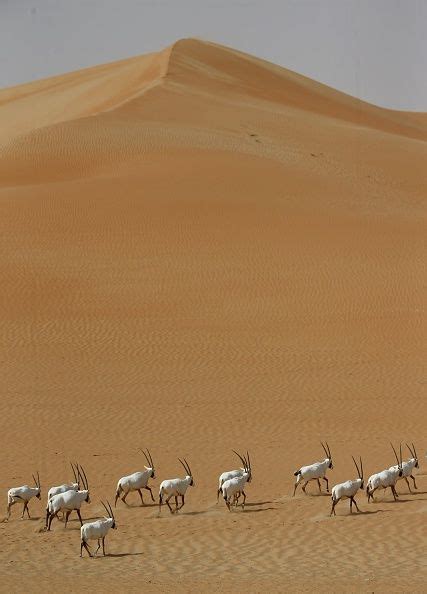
{"x":200,"y":252}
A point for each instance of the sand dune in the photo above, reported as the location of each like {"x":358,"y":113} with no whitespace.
{"x":203,"y":251}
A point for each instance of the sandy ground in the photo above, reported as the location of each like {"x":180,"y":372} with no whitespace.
{"x":202,"y":251}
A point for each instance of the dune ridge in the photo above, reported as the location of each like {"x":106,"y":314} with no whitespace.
{"x":201,"y":252}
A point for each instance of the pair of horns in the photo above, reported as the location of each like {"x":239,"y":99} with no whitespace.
{"x":186,"y":466}
{"x":327,"y":451}
{"x":37,"y":480}
{"x":413,"y":451}
{"x":400,"y":451}
{"x":80,"y":475}
{"x":245,"y":461}
{"x":359,"y":470}
{"x":108,"y":509}
{"x":148,"y":457}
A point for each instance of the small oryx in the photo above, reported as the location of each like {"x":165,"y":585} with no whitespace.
{"x":225,"y":476}
{"x":348,"y":489}
{"x":68,"y":502}
{"x":136,"y":481}
{"x":408,"y":467}
{"x":315,"y":472}
{"x":66,"y":486}
{"x":23,"y":495}
{"x":385,"y":478}
{"x":234,"y":487}
{"x":176,"y":488}
{"x":97,"y":531}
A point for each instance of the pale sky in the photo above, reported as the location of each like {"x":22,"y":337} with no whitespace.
{"x":372,"y":49}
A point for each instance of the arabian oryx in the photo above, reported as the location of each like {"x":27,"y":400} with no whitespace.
{"x":97,"y":531}
{"x":408,"y":467}
{"x":68,"y":502}
{"x":136,"y":481}
{"x":315,"y":472}
{"x":23,"y":495}
{"x":66,"y":486}
{"x":225,"y":476}
{"x":386,"y":478}
{"x":348,"y":489}
{"x":234,"y":487}
{"x":176,"y":488}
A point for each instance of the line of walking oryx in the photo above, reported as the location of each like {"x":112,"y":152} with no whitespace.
{"x":69,"y":497}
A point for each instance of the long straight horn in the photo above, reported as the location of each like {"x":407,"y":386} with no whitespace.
{"x":357,"y":468}
{"x":241,"y":459}
{"x":397,"y":459}
{"x":324,"y":449}
{"x":151,"y":464}
{"x":329,"y":451}
{"x":249,"y":460}
{"x":183,"y":465}
{"x":74,"y":472}
{"x":146,"y":457}
{"x":188,"y":467}
{"x":400,"y":451}
{"x":86,"y":482}
{"x":361,"y":467}
{"x":38,"y":480}
{"x":106,"y":509}
{"x":35,"y":480}
{"x":415,"y":451}
{"x":111,"y":511}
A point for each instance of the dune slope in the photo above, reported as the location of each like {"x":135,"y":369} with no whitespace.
{"x":201,"y":252}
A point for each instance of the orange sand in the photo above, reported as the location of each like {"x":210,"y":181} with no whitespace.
{"x":202,"y":251}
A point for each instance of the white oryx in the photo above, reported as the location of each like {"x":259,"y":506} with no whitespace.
{"x":385,"y":478}
{"x":225,"y":476}
{"x":176,"y":488}
{"x":348,"y":490}
{"x":136,"y":481}
{"x":408,"y":467}
{"x":23,"y":495}
{"x":66,"y":486}
{"x":97,"y":530}
{"x":234,"y":487}
{"x":315,"y":472}
{"x":68,"y":502}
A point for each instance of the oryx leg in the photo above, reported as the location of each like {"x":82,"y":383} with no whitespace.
{"x":99,"y":546}
{"x":103,"y":545}
{"x":393,"y":490}
{"x":151,"y":492}
{"x":413,"y":478}
{"x":244,"y":499}
{"x":182,"y":502}
{"x":124,"y":496}
{"x":66,"y":515}
{"x":80,"y":517}
{"x":327,"y":483}
{"x":55,"y":515}
{"x":407,"y":482}
{"x":85,"y":545}
{"x":140,"y":494}
{"x":25,"y":508}
{"x":354,"y":501}
{"x":333,"y":507}
{"x":318,"y":484}
{"x":351,"y":505}
{"x":304,"y":486}
{"x":168,"y":504}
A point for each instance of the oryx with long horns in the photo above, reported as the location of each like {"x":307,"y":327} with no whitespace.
{"x":136,"y":481}
{"x":69,"y":501}
{"x":348,"y":490}
{"x":315,"y":472}
{"x":385,"y":478}
{"x":408,"y":467}
{"x":234,"y":487}
{"x":97,"y":530}
{"x":176,"y":488}
{"x":23,"y":495}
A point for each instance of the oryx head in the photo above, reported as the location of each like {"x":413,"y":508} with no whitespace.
{"x":150,"y":462}
{"x":246,"y":464}
{"x":327,"y":451}
{"x":187,"y":469}
{"x":38,"y":486}
{"x":413,"y":454}
{"x":110,"y":514}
